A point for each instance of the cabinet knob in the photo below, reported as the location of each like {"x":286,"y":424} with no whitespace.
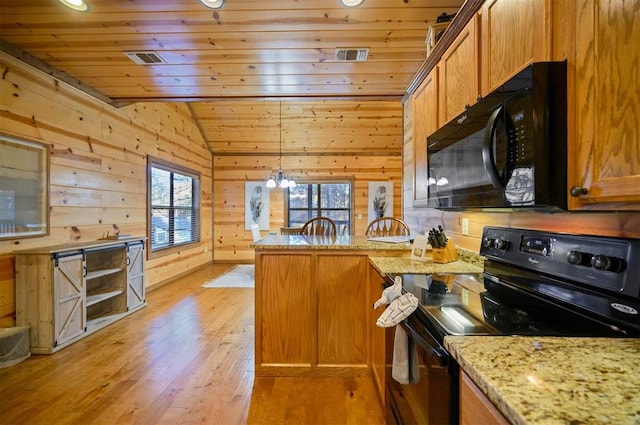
{"x":576,"y":191}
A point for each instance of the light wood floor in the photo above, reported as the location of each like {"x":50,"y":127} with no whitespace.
{"x":186,"y":358}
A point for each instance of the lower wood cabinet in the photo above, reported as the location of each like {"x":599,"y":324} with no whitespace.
{"x":313,"y":313}
{"x":69,"y":291}
{"x":475,"y":407}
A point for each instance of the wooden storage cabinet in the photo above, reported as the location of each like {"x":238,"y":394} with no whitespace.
{"x":605,"y":170}
{"x":313,"y":315}
{"x":458,"y":74}
{"x":425,"y":118}
{"x":513,"y":34}
{"x":475,"y":407}
{"x":309,"y":321}
{"x":67,"y":292}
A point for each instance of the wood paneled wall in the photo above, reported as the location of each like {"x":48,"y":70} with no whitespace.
{"x":321,"y":140}
{"x":98,"y":160}
{"x":232,"y":241}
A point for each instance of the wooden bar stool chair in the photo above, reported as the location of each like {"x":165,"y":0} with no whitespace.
{"x":290,"y":230}
{"x":387,"y":226}
{"x":319,"y":226}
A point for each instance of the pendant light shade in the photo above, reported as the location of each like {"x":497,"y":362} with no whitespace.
{"x":280,"y":179}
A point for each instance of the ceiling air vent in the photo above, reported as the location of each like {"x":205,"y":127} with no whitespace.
{"x":145,"y":58}
{"x":352,"y":55}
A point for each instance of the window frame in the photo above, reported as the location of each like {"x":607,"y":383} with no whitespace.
{"x":196,"y":205}
{"x":341,"y":180}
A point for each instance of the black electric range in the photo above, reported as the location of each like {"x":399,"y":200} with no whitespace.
{"x":538,"y":283}
{"x":533,"y":283}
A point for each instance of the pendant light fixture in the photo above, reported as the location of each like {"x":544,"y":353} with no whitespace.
{"x":280,"y":180}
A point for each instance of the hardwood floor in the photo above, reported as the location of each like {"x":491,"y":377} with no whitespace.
{"x":186,"y":358}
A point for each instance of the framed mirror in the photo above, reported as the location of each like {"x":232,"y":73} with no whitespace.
{"x":24,"y":188}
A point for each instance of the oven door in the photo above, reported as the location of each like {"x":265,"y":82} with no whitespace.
{"x":434,"y":398}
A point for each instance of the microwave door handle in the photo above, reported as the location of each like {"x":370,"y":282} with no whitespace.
{"x":487,"y":148}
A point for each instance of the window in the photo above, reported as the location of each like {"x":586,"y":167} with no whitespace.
{"x":330,"y":199}
{"x":174,"y":205}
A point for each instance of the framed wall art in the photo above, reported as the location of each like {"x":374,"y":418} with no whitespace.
{"x":24,"y":188}
{"x":380,"y":200}
{"x":256,"y":205}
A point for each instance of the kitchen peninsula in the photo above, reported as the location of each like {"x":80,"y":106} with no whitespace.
{"x":314,"y":299}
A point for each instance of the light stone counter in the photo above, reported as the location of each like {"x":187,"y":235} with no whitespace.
{"x":400,"y":265}
{"x":468,"y":262}
{"x":347,"y":242}
{"x":545,"y":380}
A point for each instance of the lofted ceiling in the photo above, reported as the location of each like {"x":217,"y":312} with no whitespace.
{"x":248,"y":50}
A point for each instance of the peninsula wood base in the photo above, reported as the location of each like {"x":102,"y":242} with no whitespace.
{"x":314,"y":316}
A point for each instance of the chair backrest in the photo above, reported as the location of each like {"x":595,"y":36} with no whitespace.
{"x":290,"y":230}
{"x":255,"y":232}
{"x":387,"y":226}
{"x":320,"y":226}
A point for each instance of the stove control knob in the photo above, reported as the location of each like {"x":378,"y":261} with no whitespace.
{"x":488,"y":242}
{"x":579,"y":258}
{"x":501,"y":244}
{"x":608,"y":264}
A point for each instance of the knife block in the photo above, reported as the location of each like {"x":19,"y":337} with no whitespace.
{"x":446,"y":254}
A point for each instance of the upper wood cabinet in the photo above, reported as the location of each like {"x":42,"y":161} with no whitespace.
{"x":425,"y":119}
{"x":513,"y":34}
{"x":458,"y":73}
{"x":604,"y":154}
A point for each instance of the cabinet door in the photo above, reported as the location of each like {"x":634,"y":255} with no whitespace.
{"x":425,"y":122}
{"x":459,"y":74}
{"x":342,"y":310}
{"x":69,"y":298}
{"x":135,"y":275}
{"x":607,"y":107}
{"x":475,"y":407}
{"x":513,"y":34}
{"x":285,"y":311}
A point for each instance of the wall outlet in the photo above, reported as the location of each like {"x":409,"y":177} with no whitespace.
{"x":465,"y":226}
{"x":359,"y":216}
{"x":206,"y":249}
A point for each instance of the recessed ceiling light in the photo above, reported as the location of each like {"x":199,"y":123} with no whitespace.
{"x":78,"y":5}
{"x":351,"y":3}
{"x":213,"y":4}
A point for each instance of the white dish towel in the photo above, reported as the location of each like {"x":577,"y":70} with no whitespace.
{"x":405,"y":368}
{"x":398,"y":310}
{"x":390,"y":293}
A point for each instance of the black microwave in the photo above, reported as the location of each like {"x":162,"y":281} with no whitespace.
{"x":508,"y":150}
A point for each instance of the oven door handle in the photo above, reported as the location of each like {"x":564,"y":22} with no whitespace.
{"x":427,"y":343}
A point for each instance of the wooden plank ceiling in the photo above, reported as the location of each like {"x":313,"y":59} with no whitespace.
{"x":248,"y":50}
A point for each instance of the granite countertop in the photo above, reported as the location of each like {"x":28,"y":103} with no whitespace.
{"x":346,"y":242}
{"x":552,"y":380}
{"x":405,"y":265}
